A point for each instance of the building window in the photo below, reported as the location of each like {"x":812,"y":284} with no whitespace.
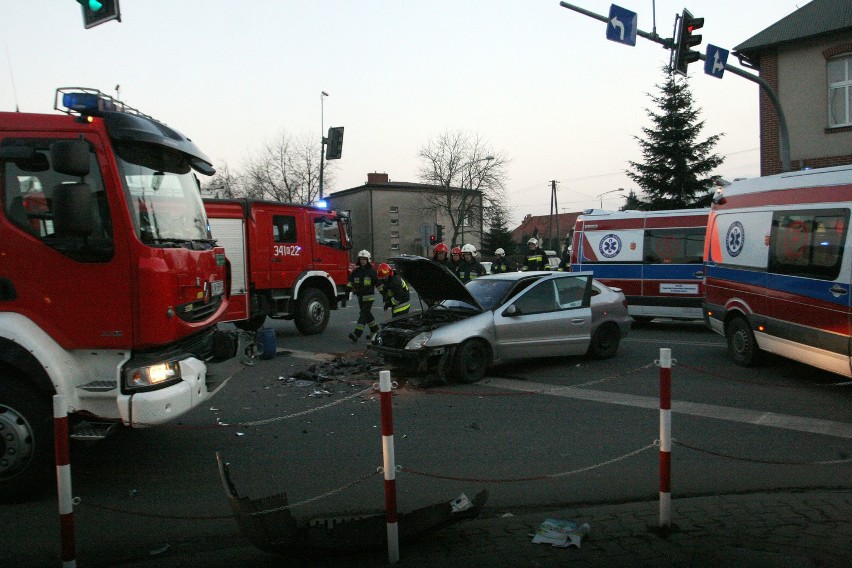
{"x":840,"y":91}
{"x":394,"y":221}
{"x":395,"y":246}
{"x":394,"y":209}
{"x":394,"y":234}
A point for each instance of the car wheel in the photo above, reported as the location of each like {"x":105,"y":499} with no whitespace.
{"x":472,"y":360}
{"x":251,"y":324}
{"x":26,"y":446}
{"x":605,"y":341}
{"x":741,"y":342}
{"x":313,"y":312}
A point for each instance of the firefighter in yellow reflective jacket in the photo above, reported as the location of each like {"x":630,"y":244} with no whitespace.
{"x":361,"y":282}
{"x":469,"y":268}
{"x":535,"y":259}
{"x":394,"y":290}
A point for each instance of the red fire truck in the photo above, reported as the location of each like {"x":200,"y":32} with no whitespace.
{"x":110,"y":282}
{"x":288,"y":261}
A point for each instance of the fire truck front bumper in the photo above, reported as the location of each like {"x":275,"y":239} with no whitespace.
{"x":199,"y":381}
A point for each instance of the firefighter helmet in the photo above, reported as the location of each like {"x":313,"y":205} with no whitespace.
{"x":441,"y":247}
{"x":456,"y":250}
{"x":532,"y":241}
{"x":384,"y":271}
{"x":500,"y":252}
{"x":365,"y":254}
{"x":469,"y":248}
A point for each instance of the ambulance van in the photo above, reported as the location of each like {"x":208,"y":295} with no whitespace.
{"x":778,"y":267}
{"x":655,"y":257}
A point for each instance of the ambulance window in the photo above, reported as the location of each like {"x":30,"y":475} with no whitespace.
{"x":674,"y":246}
{"x":29,"y":186}
{"x":284,"y":229}
{"x":808,"y":243}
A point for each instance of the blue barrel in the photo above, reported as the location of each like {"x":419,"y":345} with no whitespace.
{"x":268,"y":343}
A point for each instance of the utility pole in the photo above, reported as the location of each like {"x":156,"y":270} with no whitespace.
{"x":554,"y":209}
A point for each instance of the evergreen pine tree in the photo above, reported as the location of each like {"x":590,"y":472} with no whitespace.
{"x":675,"y":173}
{"x":498,"y":236}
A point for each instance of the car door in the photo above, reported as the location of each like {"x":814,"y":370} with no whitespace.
{"x":540,"y":322}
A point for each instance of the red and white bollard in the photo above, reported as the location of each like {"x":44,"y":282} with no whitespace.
{"x":665,"y":437}
{"x":63,"y":480}
{"x":389,"y":466}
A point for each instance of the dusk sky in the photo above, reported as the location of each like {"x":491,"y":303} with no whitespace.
{"x":538,"y":82}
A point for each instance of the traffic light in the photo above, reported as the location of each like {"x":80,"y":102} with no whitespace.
{"x":335,"y":143}
{"x":99,"y":11}
{"x":686,"y":39}
{"x":433,"y":240}
{"x":439,"y":233}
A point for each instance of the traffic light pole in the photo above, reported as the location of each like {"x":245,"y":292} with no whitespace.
{"x":668,"y":43}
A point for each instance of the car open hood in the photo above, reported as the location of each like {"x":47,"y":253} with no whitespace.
{"x":432,"y":281}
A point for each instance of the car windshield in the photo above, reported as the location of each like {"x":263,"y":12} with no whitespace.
{"x":163,"y":195}
{"x":489,"y":293}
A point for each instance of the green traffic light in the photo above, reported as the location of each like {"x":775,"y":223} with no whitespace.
{"x":94,"y":5}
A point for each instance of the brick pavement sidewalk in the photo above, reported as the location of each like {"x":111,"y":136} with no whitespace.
{"x":811,"y":528}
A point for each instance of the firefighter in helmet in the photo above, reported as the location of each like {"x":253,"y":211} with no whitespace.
{"x":500,"y":265}
{"x":469,"y":267}
{"x":394,"y":290}
{"x":439,"y":255}
{"x":535,"y":259}
{"x":362,"y":282}
{"x":455,"y":260}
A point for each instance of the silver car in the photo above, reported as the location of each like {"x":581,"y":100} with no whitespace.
{"x":500,"y":317}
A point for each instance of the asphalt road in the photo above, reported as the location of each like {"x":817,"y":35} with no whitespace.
{"x":548,"y":433}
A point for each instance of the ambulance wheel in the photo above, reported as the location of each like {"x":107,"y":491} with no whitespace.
{"x":26,"y":441}
{"x":313,"y":312}
{"x":741,"y":343}
{"x":251,"y":324}
{"x":471,"y":361}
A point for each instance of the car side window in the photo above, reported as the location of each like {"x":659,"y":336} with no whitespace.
{"x":540,"y":298}
{"x":571,"y":292}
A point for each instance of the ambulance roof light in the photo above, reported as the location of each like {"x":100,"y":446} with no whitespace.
{"x":90,"y":102}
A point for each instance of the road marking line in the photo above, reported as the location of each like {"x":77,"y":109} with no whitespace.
{"x":756,"y":417}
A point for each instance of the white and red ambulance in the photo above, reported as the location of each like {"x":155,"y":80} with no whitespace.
{"x":778,"y":267}
{"x":653,"y":256}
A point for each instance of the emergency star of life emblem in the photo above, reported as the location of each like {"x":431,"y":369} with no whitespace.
{"x":610,"y":245}
{"x":735,"y":239}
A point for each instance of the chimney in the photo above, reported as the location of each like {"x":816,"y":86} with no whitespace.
{"x":376,"y":177}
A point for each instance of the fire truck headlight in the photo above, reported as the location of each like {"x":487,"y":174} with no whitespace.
{"x":158,"y":375}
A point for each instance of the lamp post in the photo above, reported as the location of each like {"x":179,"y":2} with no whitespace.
{"x":323,"y":139}
{"x":620,"y":189}
{"x":464,"y":209}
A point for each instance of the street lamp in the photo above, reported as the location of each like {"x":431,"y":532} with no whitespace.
{"x":620,"y":189}
{"x":465,"y":166}
{"x":323,"y":139}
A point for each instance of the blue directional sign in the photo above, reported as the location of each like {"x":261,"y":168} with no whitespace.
{"x":621,"y":26}
{"x":715,"y":61}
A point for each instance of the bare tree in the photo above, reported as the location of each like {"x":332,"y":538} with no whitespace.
{"x":469,"y":179}
{"x":223,"y":184}
{"x":286,"y":169}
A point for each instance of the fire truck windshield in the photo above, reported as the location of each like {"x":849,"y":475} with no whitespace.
{"x":163,"y":196}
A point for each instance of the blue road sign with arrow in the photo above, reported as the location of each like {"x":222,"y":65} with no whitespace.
{"x":621,"y":26}
{"x":716,"y":58}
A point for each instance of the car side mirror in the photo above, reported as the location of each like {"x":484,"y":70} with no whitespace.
{"x":512,"y":311}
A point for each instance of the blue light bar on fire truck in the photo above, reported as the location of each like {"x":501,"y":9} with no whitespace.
{"x":90,"y":102}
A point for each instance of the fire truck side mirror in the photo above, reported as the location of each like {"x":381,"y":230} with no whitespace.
{"x":72,"y":210}
{"x":70,"y":157}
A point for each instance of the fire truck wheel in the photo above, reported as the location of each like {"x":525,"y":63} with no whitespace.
{"x":313,"y":312}
{"x":605,"y":341}
{"x":251,"y":324}
{"x":741,"y":343}
{"x":26,"y":441}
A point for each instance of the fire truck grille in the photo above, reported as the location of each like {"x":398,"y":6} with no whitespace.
{"x":200,"y":310}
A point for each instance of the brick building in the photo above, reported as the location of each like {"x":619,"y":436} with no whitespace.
{"x":807,"y":60}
